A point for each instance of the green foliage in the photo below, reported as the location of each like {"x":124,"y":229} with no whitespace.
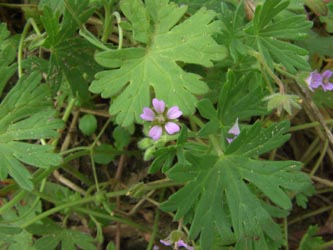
{"x":214,"y":61}
{"x":88,"y":124}
{"x":316,"y":44}
{"x":56,"y":6}
{"x":77,"y":65}
{"x":268,"y":32}
{"x":283,"y":102}
{"x":26,"y":114}
{"x":328,"y":19}
{"x":235,"y":187}
{"x":310,"y":241}
{"x":256,"y":140}
{"x":104,"y":153}
{"x":53,"y":235}
{"x":121,"y":136}
{"x":165,"y":42}
{"x":12,"y":236}
{"x":195,"y":5}
{"x":240,"y":99}
{"x":8,"y":47}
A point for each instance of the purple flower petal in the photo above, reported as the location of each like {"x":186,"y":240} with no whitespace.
{"x":234,"y":129}
{"x":166,"y":242}
{"x":174,"y":113}
{"x":314,"y":80}
{"x":155,"y":132}
{"x":327,"y":74}
{"x":181,"y":243}
{"x":327,"y":86}
{"x":148,"y":114}
{"x":159,"y":106}
{"x":171,"y":128}
{"x":229,"y":140}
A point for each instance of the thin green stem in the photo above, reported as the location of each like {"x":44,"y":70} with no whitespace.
{"x":21,"y":6}
{"x":216,"y":145}
{"x":35,"y":26}
{"x":20,"y":47}
{"x":120,"y":30}
{"x":76,"y":155}
{"x":285,"y":73}
{"x":100,"y":133}
{"x":13,"y":201}
{"x":94,"y":169}
{"x":69,"y":205}
{"x":156,"y":223}
{"x":308,"y":125}
{"x":92,"y":153}
{"x":285,"y":227}
{"x":164,"y":183}
{"x":72,"y":150}
{"x":326,"y":245}
{"x":311,"y":151}
{"x":112,"y":218}
{"x":107,"y":25}
{"x":30,"y":22}
{"x":310,"y":214}
{"x":268,"y":70}
{"x":197,"y":121}
{"x":321,"y":157}
{"x":66,"y":115}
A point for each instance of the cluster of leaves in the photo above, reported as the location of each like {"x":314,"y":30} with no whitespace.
{"x":216,"y":65}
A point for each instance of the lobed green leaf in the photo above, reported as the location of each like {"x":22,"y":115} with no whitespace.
{"x":136,"y":71}
{"x":26,"y":114}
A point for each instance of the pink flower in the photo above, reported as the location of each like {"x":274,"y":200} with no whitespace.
{"x":161,"y":118}
{"x":235,"y":131}
{"x":180,"y":243}
{"x":316,"y":80}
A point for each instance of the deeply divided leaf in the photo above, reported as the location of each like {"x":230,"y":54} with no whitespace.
{"x":77,"y":65}
{"x":164,"y":41}
{"x":26,"y":114}
{"x":269,"y":31}
{"x":222,"y":196}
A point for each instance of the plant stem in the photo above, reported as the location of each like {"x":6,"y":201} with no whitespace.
{"x":30,"y":22}
{"x":308,"y":125}
{"x":321,"y":157}
{"x":66,"y":115}
{"x":13,"y":201}
{"x":326,"y":245}
{"x":107,"y":25}
{"x":120,"y":30}
{"x":112,"y":218}
{"x":310,"y":214}
{"x":20,"y":47}
{"x":69,"y":205}
{"x":78,"y":203}
{"x":156,"y":222}
{"x":92,"y":153}
{"x":285,"y":226}
{"x":268,"y":70}
{"x":216,"y":145}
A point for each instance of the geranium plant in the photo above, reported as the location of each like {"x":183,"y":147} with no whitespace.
{"x":182,"y":123}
